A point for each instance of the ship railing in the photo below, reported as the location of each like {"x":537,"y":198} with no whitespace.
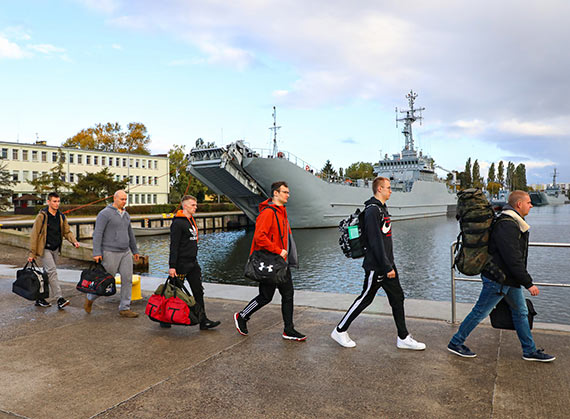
{"x":268,"y":153}
{"x":455,"y":278}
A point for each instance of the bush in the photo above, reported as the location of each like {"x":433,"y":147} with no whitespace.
{"x":147,"y":209}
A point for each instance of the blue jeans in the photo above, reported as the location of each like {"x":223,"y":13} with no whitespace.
{"x":488,"y":299}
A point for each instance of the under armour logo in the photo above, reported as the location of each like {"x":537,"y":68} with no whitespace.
{"x":262,"y":267}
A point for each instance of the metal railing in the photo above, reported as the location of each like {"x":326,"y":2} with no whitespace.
{"x":465,"y":279}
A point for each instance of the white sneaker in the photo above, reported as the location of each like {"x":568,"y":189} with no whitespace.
{"x":410,"y":343}
{"x":343,"y":339}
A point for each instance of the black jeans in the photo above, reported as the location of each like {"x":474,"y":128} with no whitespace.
{"x":266,"y":293}
{"x":393,"y":289}
{"x":194,"y":278}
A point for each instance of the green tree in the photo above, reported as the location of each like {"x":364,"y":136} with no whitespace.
{"x":476,"y":178}
{"x":465,"y":177}
{"x":328,"y":170}
{"x":501,"y":173}
{"x":111,"y":137}
{"x":180,"y":177}
{"x":360,"y":170}
{"x":341,"y":172}
{"x":54,"y":180}
{"x":6,"y":182}
{"x":510,"y":179}
{"x":519,"y":177}
{"x":491,"y":177}
{"x":93,"y":186}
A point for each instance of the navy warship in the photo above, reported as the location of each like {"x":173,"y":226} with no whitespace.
{"x":245,"y":175}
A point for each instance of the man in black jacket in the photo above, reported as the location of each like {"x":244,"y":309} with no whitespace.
{"x":508,"y":247}
{"x":183,"y":252}
{"x":380,"y":270}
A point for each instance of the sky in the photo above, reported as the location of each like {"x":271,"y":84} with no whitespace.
{"x":493,"y":76}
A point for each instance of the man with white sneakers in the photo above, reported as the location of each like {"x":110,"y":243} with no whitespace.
{"x":380,"y":270}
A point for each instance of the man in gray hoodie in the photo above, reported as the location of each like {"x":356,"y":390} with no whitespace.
{"x":114,"y":244}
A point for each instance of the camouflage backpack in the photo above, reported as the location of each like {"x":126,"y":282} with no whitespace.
{"x":476,"y":216}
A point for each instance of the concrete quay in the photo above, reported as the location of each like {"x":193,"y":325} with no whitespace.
{"x":70,"y":364}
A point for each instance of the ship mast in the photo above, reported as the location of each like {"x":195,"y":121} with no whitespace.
{"x":274,"y":128}
{"x":554,"y":177}
{"x":409,"y":119}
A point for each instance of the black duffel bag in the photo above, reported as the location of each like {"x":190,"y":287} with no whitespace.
{"x":501,"y":316}
{"x":96,"y":280}
{"x":264,"y":266}
{"x":31,"y":282}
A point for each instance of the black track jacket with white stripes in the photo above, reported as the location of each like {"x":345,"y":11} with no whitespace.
{"x":379,"y":255}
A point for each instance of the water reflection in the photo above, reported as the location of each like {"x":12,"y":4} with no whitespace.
{"x":422,"y":253}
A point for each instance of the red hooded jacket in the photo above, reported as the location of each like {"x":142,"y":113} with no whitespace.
{"x":266,"y":234}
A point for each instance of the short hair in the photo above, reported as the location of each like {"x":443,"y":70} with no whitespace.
{"x":188,"y":198}
{"x":377,"y":181}
{"x":117,"y":193}
{"x":275,"y":186}
{"x":53,"y":195}
{"x":516,"y":196}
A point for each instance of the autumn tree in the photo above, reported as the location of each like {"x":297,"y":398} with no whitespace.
{"x":501,"y":173}
{"x":360,"y":170}
{"x":476,"y":178}
{"x":6,"y":182}
{"x":110,"y":137}
{"x":94,"y":186}
{"x":54,"y":180}
{"x":180,"y":177}
{"x":491,"y":174}
{"x":465,"y":177}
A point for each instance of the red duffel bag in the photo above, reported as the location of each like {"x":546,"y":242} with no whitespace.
{"x":171,"y":310}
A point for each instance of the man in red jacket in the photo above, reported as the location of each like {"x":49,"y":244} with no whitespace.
{"x":273,"y":233}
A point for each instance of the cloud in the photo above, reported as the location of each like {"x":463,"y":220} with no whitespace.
{"x":104,"y":6}
{"x":46,"y":49}
{"x":348,"y":141}
{"x":18,"y":33}
{"x":10,"y":49}
{"x":116,"y":46}
{"x":514,"y":126}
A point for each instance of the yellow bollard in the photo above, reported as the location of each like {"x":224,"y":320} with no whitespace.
{"x":136,"y":293}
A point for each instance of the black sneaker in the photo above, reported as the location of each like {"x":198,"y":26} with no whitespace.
{"x":292,"y":334}
{"x":165,"y":325}
{"x":209,"y":324}
{"x":539,"y":356}
{"x":42,"y":303}
{"x":241,"y":324}
{"x":461,"y":350}
{"x":62,"y":302}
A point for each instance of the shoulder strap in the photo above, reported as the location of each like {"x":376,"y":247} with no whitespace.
{"x":276,"y":219}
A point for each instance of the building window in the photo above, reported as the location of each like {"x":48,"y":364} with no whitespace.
{"x":71,"y":158}
{"x":44,"y":156}
{"x":71,"y":178}
{"x":124,"y":177}
{"x":103,"y":161}
{"x":130,"y":162}
{"x":15,"y":154}
{"x":124,"y":162}
{"x":130,"y":180}
{"x":117,"y":162}
{"x":137,"y":161}
{"x":4,"y":153}
{"x":87,"y":159}
{"x":54,"y":157}
{"x":95,"y":160}
{"x":144,"y":164}
{"x":154,"y":198}
{"x":34,"y":155}
{"x":34,"y":175}
{"x":156,"y":164}
{"x":26,"y":174}
{"x":79,"y":159}
{"x":144,"y":180}
{"x":136,"y":198}
{"x":25,"y":155}
{"x":137,"y":180}
{"x":155,"y":181}
{"x":117,"y":178}
{"x":143,"y":199}
{"x":16,"y":176}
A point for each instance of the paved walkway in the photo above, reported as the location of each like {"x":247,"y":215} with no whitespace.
{"x":70,"y":364}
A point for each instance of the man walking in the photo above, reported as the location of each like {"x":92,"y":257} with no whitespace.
{"x":114,"y":244}
{"x":273,"y":233}
{"x":508,"y":247}
{"x":183,"y":252}
{"x":380,"y":270}
{"x":46,"y":239}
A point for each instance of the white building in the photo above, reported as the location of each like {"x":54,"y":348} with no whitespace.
{"x":149,"y":175}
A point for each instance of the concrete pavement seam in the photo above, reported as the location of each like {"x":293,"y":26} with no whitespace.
{"x":496,"y":373}
{"x":13,"y":414}
{"x":239,"y":342}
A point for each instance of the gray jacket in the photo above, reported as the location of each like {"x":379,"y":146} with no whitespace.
{"x":113,"y":232}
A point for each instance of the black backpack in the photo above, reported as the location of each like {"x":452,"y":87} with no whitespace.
{"x":352,"y":241}
{"x":31,"y":282}
{"x":476,"y":218}
{"x":96,"y":280}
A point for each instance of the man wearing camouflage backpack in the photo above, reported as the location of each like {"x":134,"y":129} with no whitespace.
{"x":508,"y":249}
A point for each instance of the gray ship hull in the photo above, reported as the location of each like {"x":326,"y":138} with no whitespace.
{"x":315,"y":203}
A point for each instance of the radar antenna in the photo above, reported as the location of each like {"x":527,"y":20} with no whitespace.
{"x":409,"y":119}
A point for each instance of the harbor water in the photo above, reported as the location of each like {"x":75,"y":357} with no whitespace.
{"x":422,"y":254}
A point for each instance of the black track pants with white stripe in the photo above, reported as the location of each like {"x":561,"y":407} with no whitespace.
{"x":266,"y":292}
{"x":393,"y":289}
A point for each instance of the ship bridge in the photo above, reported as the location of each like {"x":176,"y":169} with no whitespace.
{"x":221,"y":169}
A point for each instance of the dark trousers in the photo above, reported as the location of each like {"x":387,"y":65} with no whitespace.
{"x":393,"y":289}
{"x":194,"y":278}
{"x":266,"y":293}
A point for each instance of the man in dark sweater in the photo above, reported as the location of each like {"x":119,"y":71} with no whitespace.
{"x":183,"y":253}
{"x":508,"y":247}
{"x":46,"y":239}
{"x":380,"y":270}
{"x":114,"y":244}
